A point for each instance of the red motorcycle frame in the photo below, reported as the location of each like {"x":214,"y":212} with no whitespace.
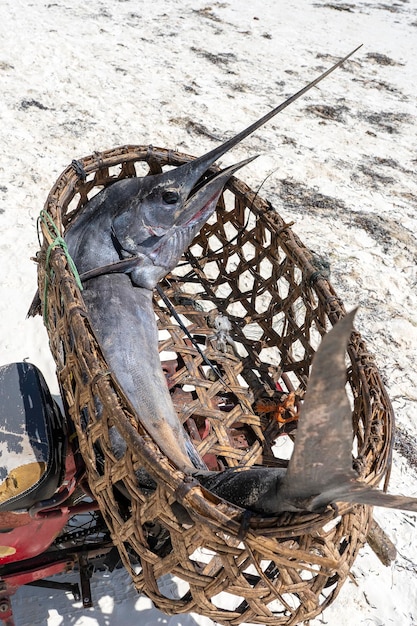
{"x":49,"y":522}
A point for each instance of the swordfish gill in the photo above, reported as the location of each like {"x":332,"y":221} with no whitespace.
{"x":126,"y":239}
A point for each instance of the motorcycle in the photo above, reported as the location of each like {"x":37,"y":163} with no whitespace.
{"x":49,"y":521}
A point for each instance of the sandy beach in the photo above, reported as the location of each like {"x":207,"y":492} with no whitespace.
{"x":340,"y":163}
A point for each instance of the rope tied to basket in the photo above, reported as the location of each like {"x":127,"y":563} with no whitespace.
{"x":57,"y":240}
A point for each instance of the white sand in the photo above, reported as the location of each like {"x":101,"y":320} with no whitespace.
{"x":95,"y":74}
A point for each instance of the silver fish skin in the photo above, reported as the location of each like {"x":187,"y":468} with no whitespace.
{"x":123,"y":319}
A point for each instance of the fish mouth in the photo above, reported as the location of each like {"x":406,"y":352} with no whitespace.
{"x":190,"y":217}
{"x":203,"y":198}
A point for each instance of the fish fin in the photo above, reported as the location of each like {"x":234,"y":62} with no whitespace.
{"x":36,"y":306}
{"x":362,"y":494}
{"x":123,"y":266}
{"x":322,"y":455}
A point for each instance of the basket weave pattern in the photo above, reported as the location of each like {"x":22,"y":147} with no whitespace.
{"x":247,"y":265}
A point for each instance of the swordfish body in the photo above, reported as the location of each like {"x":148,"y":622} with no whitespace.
{"x":122,"y":315}
{"x":123,"y":320}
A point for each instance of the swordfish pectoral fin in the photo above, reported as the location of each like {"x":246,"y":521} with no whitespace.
{"x":322,"y":457}
{"x":35,"y":306}
{"x":124,"y":266}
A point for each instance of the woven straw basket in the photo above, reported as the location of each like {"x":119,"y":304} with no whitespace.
{"x":248,"y":266}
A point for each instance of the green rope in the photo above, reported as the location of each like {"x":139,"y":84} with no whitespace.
{"x":53,"y":232}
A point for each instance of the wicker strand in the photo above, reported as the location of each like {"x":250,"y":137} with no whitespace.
{"x":57,"y":240}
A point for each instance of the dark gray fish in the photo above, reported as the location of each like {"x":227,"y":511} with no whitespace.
{"x":124,"y":241}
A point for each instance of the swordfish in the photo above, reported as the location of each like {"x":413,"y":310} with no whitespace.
{"x":126,"y":239}
{"x":129,"y":237}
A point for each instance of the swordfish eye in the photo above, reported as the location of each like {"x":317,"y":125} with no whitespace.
{"x":170,"y":196}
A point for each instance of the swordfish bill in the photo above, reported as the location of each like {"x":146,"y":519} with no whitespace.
{"x":135,"y":209}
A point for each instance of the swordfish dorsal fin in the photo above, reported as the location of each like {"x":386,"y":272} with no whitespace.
{"x":322,"y":456}
{"x":320,"y":470}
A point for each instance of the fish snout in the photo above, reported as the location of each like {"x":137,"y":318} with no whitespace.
{"x":202,"y":202}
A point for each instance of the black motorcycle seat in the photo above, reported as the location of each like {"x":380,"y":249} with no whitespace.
{"x":32,"y":438}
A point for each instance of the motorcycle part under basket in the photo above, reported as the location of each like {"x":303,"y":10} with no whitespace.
{"x":249,"y":268}
{"x":32,"y":437}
